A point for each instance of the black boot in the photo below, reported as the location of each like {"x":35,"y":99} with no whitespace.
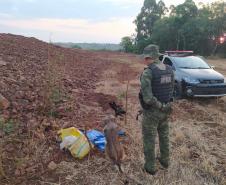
{"x":164,"y":164}
{"x":151,"y":172}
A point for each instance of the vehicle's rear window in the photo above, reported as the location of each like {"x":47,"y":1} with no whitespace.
{"x":190,"y":62}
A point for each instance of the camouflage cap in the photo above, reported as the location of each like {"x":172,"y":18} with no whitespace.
{"x":151,"y":51}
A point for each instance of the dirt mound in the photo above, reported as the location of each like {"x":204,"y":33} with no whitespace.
{"x":48,"y":88}
{"x":23,"y":78}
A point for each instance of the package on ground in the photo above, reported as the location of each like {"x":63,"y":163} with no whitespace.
{"x":97,"y":138}
{"x":75,"y":141}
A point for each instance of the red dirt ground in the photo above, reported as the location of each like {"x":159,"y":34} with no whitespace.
{"x":24,"y":82}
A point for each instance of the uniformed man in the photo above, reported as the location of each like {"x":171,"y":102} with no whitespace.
{"x":157,"y":82}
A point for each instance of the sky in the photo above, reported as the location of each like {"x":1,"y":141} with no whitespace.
{"x":100,"y":21}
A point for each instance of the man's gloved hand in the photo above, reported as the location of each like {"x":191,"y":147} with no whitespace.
{"x":159,"y":105}
{"x":167,"y":107}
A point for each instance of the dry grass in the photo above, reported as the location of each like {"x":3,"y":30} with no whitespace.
{"x":53,"y":91}
{"x":191,"y":144}
{"x":2,"y":172}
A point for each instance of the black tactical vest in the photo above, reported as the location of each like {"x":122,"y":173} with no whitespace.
{"x":162,"y":82}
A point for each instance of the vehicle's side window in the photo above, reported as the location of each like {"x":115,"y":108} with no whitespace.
{"x":167,"y":61}
{"x":161,"y":57}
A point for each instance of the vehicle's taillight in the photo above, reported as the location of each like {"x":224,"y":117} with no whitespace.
{"x":222,"y":39}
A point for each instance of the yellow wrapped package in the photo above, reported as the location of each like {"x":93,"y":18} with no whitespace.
{"x":80,"y":147}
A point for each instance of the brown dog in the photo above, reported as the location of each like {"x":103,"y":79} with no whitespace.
{"x":114,"y":149}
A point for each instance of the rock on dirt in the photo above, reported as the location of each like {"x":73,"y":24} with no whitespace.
{"x":2,"y":63}
{"x":4,"y":103}
{"x":52,"y":166}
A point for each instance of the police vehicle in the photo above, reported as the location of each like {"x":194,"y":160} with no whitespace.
{"x":193,"y":76}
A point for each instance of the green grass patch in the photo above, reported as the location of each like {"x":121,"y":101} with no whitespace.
{"x":8,"y":126}
{"x":56,"y":96}
{"x":121,"y":95}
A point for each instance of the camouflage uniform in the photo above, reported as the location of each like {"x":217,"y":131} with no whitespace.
{"x":155,"y":116}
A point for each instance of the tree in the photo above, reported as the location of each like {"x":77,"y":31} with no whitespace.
{"x":186,"y":10}
{"x":186,"y":27}
{"x":127,"y":44}
{"x":164,"y":33}
{"x":76,"y":46}
{"x":168,"y":31}
{"x":219,"y":14}
{"x":150,"y":13}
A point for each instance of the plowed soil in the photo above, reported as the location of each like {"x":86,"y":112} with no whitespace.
{"x":50,"y":88}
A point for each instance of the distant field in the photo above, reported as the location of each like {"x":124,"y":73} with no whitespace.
{"x":91,"y":46}
{"x":219,"y":64}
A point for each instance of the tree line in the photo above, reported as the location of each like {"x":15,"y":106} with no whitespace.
{"x":188,"y":26}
